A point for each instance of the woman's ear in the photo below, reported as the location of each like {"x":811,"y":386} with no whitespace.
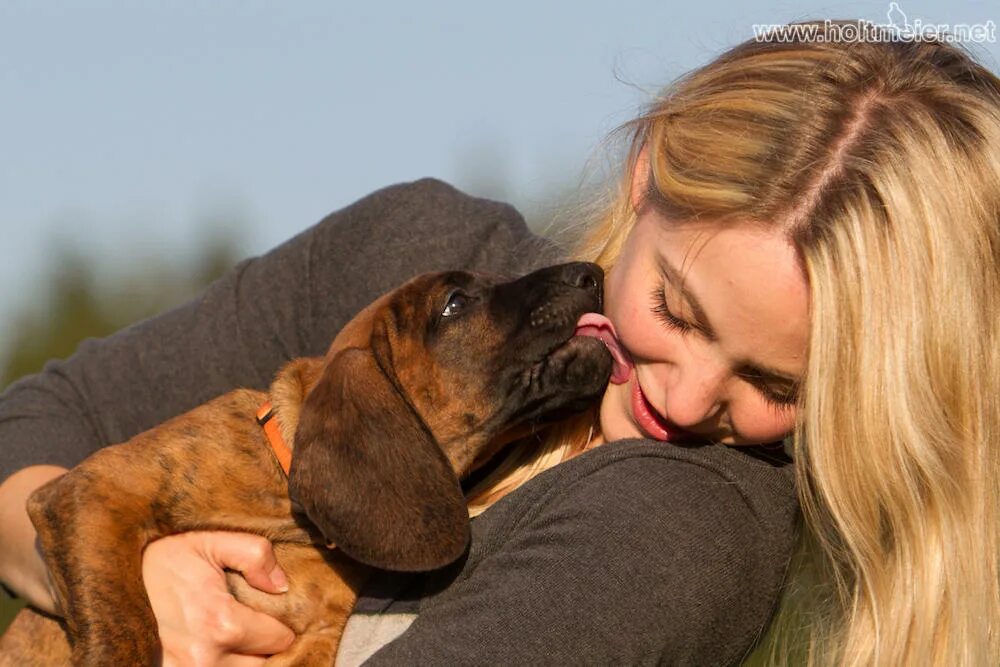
{"x":640,"y":177}
{"x":369,"y":474}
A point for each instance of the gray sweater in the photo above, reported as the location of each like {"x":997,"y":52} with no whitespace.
{"x":636,"y":552}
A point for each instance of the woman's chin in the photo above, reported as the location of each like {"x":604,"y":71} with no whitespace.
{"x":615,"y":422}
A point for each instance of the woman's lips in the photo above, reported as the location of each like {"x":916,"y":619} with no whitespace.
{"x":598,"y":326}
{"x":649,"y":419}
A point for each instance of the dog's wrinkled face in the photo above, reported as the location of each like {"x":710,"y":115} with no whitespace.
{"x":490,"y":355}
{"x":417,"y":390}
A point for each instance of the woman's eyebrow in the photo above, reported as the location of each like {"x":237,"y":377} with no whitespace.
{"x":744,"y":367}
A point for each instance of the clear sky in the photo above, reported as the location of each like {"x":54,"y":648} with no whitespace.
{"x":128,"y":130}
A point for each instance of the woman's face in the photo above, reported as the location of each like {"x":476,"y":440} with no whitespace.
{"x":715,"y":322}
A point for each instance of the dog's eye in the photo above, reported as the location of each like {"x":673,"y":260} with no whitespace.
{"x":457,"y":301}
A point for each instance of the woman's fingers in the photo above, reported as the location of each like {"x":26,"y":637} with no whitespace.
{"x":250,"y":555}
{"x":199,"y":621}
{"x":253,"y":633}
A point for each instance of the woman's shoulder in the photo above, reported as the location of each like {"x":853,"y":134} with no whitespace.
{"x":697,"y":539}
{"x":433,"y":225}
{"x":362,"y":251}
{"x":640,"y":474}
{"x":635,"y":552}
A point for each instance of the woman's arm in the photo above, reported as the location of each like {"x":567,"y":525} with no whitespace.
{"x":287,"y":303}
{"x":631,"y":556}
{"x":21,"y":565}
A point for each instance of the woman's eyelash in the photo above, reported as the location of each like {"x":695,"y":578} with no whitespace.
{"x":662,"y":313}
{"x":776,"y":401}
{"x":773,"y":399}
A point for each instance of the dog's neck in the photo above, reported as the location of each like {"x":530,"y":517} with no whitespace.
{"x":289,"y":390}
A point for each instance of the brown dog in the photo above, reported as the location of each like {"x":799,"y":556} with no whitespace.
{"x":419,"y":389}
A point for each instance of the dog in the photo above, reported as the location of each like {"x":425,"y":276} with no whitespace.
{"x":419,"y":389}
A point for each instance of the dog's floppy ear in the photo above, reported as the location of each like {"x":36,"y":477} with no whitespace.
{"x":370,"y":476}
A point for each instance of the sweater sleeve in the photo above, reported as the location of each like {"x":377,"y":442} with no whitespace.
{"x":643,"y":560}
{"x":289,"y":302}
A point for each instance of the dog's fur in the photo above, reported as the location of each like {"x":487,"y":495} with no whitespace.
{"x":407,"y":400}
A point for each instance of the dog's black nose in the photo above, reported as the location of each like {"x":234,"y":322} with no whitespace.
{"x":583,"y":275}
{"x":552,"y":296}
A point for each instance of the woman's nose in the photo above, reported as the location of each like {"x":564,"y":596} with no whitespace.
{"x":694,"y":393}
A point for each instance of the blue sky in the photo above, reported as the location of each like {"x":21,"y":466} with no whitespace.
{"x":131,"y":130}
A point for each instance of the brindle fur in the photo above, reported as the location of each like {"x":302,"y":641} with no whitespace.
{"x":379,"y":411}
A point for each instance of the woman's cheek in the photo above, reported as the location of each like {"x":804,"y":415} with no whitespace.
{"x":763,"y":423}
{"x":638,"y":330}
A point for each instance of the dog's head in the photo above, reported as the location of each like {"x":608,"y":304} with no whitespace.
{"x":417,"y":390}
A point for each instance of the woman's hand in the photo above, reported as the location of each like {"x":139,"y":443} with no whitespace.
{"x":200,"y":622}
{"x":21,"y":565}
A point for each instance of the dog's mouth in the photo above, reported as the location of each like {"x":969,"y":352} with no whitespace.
{"x":595,"y":325}
{"x":564,"y":382}
{"x":589,"y":327}
{"x":559,"y":363}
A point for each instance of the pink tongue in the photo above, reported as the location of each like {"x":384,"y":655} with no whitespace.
{"x":597,"y":326}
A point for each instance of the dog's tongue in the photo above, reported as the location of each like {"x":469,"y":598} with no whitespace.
{"x":597,"y":326}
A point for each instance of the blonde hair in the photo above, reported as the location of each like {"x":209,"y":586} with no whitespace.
{"x":881,"y":162}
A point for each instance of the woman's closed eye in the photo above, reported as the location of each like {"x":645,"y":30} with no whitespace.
{"x":775,"y":397}
{"x":785,"y":396}
{"x":662,"y":312}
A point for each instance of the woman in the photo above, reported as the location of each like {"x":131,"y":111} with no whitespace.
{"x":879,"y":163}
{"x":805,"y":241}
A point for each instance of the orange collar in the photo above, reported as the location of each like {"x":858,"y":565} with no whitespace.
{"x":282,"y":452}
{"x":269,"y":421}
